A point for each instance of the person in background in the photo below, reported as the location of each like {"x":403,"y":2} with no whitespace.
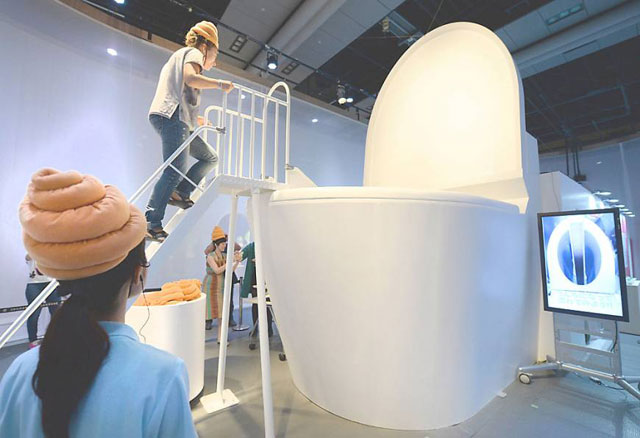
{"x":248,"y":286}
{"x":213,"y":283}
{"x":174,"y":116}
{"x":91,"y":376}
{"x":36,"y":284}
{"x":234,"y":280}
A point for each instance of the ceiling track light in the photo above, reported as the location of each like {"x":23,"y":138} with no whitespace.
{"x":340,"y":94}
{"x":272,"y":60}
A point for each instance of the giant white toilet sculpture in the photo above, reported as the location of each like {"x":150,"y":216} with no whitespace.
{"x":400,"y":303}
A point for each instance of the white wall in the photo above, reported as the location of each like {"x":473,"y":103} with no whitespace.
{"x":615,"y":168}
{"x":67,"y":104}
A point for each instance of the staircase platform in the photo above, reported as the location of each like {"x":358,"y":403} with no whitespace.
{"x":235,"y":185}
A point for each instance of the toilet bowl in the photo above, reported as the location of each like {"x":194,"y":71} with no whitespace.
{"x":401,"y":304}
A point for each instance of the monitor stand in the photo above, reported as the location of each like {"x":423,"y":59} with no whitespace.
{"x":587,"y":346}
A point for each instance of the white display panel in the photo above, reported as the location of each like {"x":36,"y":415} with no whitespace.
{"x":581,"y":261}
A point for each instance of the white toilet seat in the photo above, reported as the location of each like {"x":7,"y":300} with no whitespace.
{"x":372,"y":193}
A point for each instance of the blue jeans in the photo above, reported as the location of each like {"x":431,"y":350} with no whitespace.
{"x":173,"y":133}
{"x":32,"y":291}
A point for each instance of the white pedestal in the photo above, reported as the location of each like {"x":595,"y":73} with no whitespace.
{"x":177,"y":329}
{"x":217,"y":402}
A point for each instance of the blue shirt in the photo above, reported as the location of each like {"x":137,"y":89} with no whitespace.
{"x":139,"y":391}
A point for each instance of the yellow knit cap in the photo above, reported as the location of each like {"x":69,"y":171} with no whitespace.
{"x":208,"y":31}
{"x":217,"y":234}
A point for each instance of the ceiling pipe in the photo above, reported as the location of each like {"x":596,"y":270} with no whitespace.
{"x":625,"y":15}
{"x":309,"y":16}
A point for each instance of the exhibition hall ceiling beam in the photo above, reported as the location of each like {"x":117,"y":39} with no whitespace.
{"x":602,"y":30}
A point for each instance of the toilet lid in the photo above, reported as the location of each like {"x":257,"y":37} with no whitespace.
{"x":450,"y":114}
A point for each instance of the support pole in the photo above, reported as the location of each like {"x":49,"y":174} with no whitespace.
{"x":265,"y":364}
{"x":228,"y":276}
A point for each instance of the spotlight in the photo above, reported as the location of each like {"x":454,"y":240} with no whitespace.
{"x":349,"y":99}
{"x":314,"y":120}
{"x":112,"y":52}
{"x":340,"y":93}
{"x":272,"y":60}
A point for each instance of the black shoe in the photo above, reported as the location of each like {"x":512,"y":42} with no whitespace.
{"x":156,"y":234}
{"x":181,"y":202}
{"x":208,"y":324}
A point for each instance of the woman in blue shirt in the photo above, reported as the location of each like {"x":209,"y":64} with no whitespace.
{"x":91,"y":377}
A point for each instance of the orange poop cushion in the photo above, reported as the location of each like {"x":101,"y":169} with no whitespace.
{"x":174,"y":292}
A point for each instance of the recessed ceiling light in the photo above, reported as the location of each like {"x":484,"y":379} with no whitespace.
{"x":314,"y":120}
{"x":349,"y":99}
{"x":602,"y":193}
{"x":242,"y":96}
{"x":112,"y":52}
{"x":632,"y":215}
{"x":612,"y":201}
{"x":619,"y":205}
{"x":120,"y":2}
{"x":599,"y":162}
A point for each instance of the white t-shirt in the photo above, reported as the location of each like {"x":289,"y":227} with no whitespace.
{"x":35,"y":276}
{"x":172,"y":92}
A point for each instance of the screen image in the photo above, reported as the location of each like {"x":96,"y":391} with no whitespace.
{"x":582,"y":260}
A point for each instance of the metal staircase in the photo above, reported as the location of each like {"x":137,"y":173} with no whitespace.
{"x":229,"y":177}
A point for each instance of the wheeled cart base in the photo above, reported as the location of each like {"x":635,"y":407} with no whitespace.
{"x":526,"y":373}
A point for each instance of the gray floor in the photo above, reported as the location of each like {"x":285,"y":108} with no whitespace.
{"x":568,"y":406}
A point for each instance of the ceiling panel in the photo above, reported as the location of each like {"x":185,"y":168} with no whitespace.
{"x":594,"y":7}
{"x":527,"y":30}
{"x":366,"y":12}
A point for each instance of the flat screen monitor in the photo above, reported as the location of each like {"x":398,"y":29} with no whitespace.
{"x":583,"y":263}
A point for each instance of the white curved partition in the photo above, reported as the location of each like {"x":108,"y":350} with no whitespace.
{"x":177,"y":329}
{"x":387,"y":312}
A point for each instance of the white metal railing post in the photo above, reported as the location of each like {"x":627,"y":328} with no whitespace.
{"x":230,"y":144}
{"x":275,"y":146}
{"x":238,"y":142}
{"x":252,"y":136}
{"x":221,"y":144}
{"x":265,"y":107}
{"x":287,"y":149}
{"x":286,"y":102}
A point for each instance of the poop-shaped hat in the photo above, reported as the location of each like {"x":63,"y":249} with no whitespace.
{"x":75,"y":227}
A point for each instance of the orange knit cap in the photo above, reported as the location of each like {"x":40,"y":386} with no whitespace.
{"x":217,"y":234}
{"x":76,"y":227}
{"x":208,"y":31}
